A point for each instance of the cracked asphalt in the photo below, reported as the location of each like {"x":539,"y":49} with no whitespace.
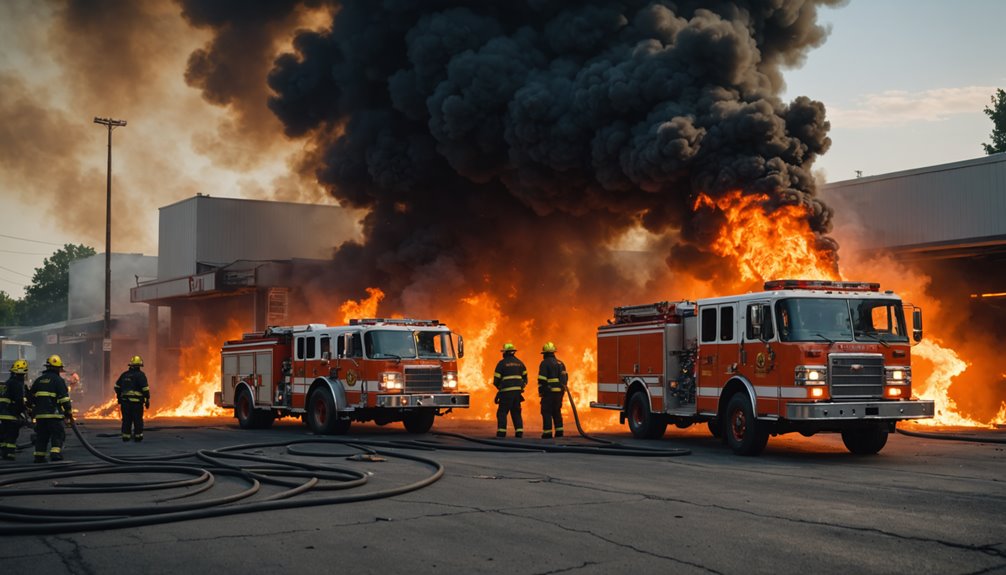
{"x":805,"y":506}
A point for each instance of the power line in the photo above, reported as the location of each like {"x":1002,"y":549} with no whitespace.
{"x":30,"y":240}
{"x":14,"y":272}
{"x":12,"y":282}
{"x":24,"y":253}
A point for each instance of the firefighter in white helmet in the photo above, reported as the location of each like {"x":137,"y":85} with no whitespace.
{"x":133,"y":395}
{"x":510,"y":379}
{"x":49,"y":403}
{"x":12,"y":408}
{"x":552,"y":378}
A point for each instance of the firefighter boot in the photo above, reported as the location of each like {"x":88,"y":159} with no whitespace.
{"x":501,"y":433}
{"x":39,"y":457}
{"x":519,"y":433}
{"x":138,"y":437}
{"x":55,"y":455}
{"x":558,"y":432}
{"x":126,"y":437}
{"x":546,"y":434}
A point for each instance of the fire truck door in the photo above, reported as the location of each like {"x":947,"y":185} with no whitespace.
{"x":304,"y":349}
{"x":728,"y":342}
{"x":349,"y":351}
{"x":708,"y":366}
{"x":758,"y":358}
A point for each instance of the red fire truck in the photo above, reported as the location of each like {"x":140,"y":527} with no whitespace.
{"x":802,"y":356}
{"x":380,"y":370}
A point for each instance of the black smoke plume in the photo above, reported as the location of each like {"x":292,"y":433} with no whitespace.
{"x":499,"y":145}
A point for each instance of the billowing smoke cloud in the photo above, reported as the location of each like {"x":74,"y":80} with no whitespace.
{"x":501,"y":144}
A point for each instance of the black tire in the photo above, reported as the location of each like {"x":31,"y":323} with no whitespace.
{"x":865,"y":441}
{"x":322,"y":417}
{"x":643,"y":423}
{"x":714,"y":428}
{"x":419,"y":420}
{"x":264,"y":418}
{"x":244,"y":409}
{"x":743,"y":432}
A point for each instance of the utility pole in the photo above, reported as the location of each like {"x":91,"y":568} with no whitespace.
{"x":106,"y":343}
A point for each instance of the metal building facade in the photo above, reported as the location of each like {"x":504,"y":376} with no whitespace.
{"x":204,"y":232}
{"x":959,"y":207}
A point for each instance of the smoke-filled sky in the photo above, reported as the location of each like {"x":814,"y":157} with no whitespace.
{"x":520,"y":121}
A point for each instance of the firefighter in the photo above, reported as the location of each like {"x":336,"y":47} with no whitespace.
{"x":552,"y":380}
{"x":12,"y":408}
{"x":510,"y":379}
{"x":133,"y":394}
{"x":49,"y":402}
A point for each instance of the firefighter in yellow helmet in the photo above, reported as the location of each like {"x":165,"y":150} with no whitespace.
{"x":133,"y":394}
{"x":552,"y":379}
{"x":49,"y":403}
{"x":510,"y":379}
{"x":12,"y":408}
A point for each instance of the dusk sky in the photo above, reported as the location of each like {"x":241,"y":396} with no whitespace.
{"x":904,"y":83}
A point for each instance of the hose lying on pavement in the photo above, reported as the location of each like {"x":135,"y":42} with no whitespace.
{"x":957,"y":436}
{"x":201,"y":469}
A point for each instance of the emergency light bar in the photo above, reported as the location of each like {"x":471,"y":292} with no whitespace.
{"x":394,"y":321}
{"x":821,"y":284}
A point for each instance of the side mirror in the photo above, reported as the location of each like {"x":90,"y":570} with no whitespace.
{"x":917,"y":324}
{"x":461,"y":346}
{"x":326,"y":356}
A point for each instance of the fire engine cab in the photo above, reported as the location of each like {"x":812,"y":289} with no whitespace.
{"x":380,"y":370}
{"x":802,"y":356}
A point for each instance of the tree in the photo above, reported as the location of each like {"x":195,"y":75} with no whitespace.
{"x":8,"y":309}
{"x":45,"y":300}
{"x":997,"y":113}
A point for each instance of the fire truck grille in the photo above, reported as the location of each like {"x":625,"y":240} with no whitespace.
{"x":424,"y":379}
{"x":857,"y":377}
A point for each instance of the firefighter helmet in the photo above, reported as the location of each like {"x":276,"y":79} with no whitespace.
{"x":20,"y":366}
{"x":136,"y":361}
{"x":508,"y":347}
{"x":549,"y":347}
{"x":54,"y":361}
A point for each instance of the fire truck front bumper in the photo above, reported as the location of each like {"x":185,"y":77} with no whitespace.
{"x":878,"y":410}
{"x":423,"y":400}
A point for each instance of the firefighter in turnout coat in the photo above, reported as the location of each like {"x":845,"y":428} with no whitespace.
{"x":552,"y":379}
{"x":12,"y":408}
{"x":133,"y":394}
{"x":49,"y":403}
{"x":510,"y":379}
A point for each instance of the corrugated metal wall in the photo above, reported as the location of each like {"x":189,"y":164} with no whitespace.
{"x":204,"y":230}
{"x":962,"y":202}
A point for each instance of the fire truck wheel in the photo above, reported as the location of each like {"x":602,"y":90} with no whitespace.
{"x":244,"y":411}
{"x":642,"y":423}
{"x":714,"y":428}
{"x":322,"y":417}
{"x":744,"y":433}
{"x":419,"y":421}
{"x":864,"y":441}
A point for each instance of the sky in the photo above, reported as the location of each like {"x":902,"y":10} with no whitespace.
{"x":904,"y":83}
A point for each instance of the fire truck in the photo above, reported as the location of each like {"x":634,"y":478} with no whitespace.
{"x":381,"y":370}
{"x":802,"y":356}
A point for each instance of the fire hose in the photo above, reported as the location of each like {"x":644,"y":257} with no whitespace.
{"x":957,"y":436}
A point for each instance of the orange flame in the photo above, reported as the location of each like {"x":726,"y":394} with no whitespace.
{"x":364,"y":308}
{"x":767,"y":246}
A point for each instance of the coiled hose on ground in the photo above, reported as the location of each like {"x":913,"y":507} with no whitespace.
{"x":200,"y":470}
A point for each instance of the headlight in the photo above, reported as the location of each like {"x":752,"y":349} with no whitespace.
{"x":450,"y":380}
{"x":391,"y":380}
{"x":811,"y":375}
{"x":898,"y":375}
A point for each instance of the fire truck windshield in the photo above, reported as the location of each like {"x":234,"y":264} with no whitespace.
{"x":839,"y":319}
{"x":401,"y":344}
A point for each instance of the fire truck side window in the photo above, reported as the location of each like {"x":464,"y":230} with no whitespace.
{"x":726,"y":323}
{"x":355,"y":346}
{"x":300,"y":348}
{"x":769,"y":332}
{"x":326,"y":346}
{"x":709,"y":324}
{"x":311,"y":348}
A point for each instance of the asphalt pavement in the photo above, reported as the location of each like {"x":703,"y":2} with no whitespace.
{"x":393,"y":502}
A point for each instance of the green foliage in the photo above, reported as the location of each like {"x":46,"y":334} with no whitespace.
{"x":997,"y":113}
{"x":8,"y":309}
{"x":45,"y":300}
